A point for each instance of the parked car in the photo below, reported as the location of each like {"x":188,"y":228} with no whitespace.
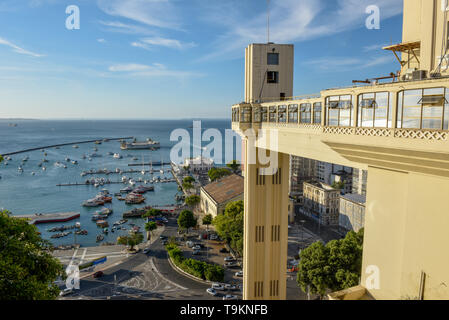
{"x":211,"y":291}
{"x":217,"y":286}
{"x":230,"y":297}
{"x":66,"y":292}
{"x":98,"y":274}
{"x":232,"y":264}
{"x":196,"y":252}
{"x":189,"y":244}
{"x":213,"y":237}
{"x":197,"y":247}
{"x":146,"y":250}
{"x":162,"y":237}
{"x":165,"y":242}
{"x":229,"y":259}
{"x":224,"y":250}
{"x":239,"y":274}
{"x":159,"y":223}
{"x":230,"y":287}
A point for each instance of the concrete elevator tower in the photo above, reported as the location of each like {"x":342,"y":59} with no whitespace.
{"x":268,"y":77}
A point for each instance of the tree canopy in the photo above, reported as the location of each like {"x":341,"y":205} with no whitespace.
{"x":229,"y":225}
{"x":27,"y":269}
{"x":188,"y":179}
{"x":131,"y":240}
{"x":334,"y":266}
{"x":186,"y":220}
{"x":218,"y":173}
{"x":192,"y":200}
{"x":187,"y":185}
{"x":338,"y":185}
{"x":233,"y":165}
{"x":207,"y":219}
{"x":152,"y":213}
{"x":150,"y":226}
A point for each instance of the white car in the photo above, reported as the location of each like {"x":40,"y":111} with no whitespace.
{"x":239,"y":274}
{"x":65,"y":292}
{"x":217,"y":286}
{"x":230,"y":297}
{"x":211,"y":291}
{"x":197,"y":247}
{"x":230,"y":287}
{"x":229,"y":259}
{"x":213,"y":237}
{"x":146,"y":250}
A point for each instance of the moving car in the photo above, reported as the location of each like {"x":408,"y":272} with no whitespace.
{"x":146,"y":250}
{"x":98,"y":274}
{"x":230,"y":297}
{"x":239,"y":274}
{"x":211,"y":291}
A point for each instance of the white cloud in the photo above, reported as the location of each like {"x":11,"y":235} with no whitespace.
{"x":155,"y":13}
{"x":19,"y":49}
{"x":295,"y":21}
{"x":154,"y":70}
{"x":101,"y":40}
{"x":147,"y":43}
{"x":116,"y":26}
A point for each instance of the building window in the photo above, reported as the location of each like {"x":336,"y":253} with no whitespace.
{"x":293,"y":113}
{"x":273,"y":114}
{"x":257,"y":114}
{"x":317,"y":113}
{"x":282,"y":114}
{"x":273,"y":59}
{"x":264,"y":113}
{"x":374,"y":110}
{"x":306,"y":113}
{"x":339,"y":111}
{"x":235,"y":114}
{"x":272,"y":77}
{"x":423,"y":109}
{"x":245,"y":114}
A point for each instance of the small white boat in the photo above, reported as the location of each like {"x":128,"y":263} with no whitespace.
{"x":33,"y":173}
{"x":43,"y":168}
{"x":117,"y":156}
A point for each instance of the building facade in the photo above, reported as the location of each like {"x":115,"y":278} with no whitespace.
{"x":352,"y":212}
{"x":301,"y":170}
{"x":321,"y":203}
{"x":359,"y":181}
{"x":215,"y":196}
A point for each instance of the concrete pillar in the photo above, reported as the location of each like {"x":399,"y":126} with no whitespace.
{"x":265,"y":230}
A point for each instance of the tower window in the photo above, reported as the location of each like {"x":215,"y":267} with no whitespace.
{"x":272,"y":77}
{"x":273,"y":59}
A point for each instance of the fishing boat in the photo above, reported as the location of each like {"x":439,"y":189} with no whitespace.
{"x":136,"y":145}
{"x":20,"y":169}
{"x":75,"y":146}
{"x":117,"y":156}
{"x":74,"y":162}
{"x":67,"y":159}
{"x":100,"y":238}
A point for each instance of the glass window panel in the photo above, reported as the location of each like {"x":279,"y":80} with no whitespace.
{"x":334,"y":98}
{"x":412,"y":97}
{"x":434,"y":91}
{"x":446,"y":112}
{"x":382,"y":99}
{"x":399,"y":110}
{"x":432,"y":117}
{"x":390,"y":111}
{"x":345,"y":117}
{"x":367,"y":117}
{"x":368,"y":96}
{"x":333,"y":117}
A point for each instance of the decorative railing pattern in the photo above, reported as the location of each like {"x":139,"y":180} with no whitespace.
{"x":417,"y":134}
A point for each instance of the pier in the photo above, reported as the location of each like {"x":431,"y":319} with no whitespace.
{"x":155,"y":164}
{"x":65,"y":144}
{"x":39,"y":218}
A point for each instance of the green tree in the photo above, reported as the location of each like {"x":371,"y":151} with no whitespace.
{"x":338,"y":185}
{"x":187,"y":186}
{"x":188,"y":179}
{"x":229,"y":225}
{"x":218,"y":173}
{"x":207,"y":220}
{"x":192,"y":200}
{"x":233,"y":165}
{"x":186,"y":220}
{"x":27,"y":268}
{"x":334,"y":266}
{"x":132,"y":240}
{"x":149,"y":227}
{"x":1,"y":158}
{"x":152,"y":213}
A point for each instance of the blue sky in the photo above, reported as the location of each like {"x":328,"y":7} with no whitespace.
{"x":176,"y":58}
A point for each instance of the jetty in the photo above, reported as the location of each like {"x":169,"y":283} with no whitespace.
{"x":155,"y":164}
{"x":39,"y":218}
{"x":65,"y":144}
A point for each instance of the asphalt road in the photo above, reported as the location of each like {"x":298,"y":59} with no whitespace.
{"x":144,"y":276}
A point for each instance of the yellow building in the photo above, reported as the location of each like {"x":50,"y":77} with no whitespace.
{"x":321,"y":203}
{"x":215,"y":196}
{"x":396,"y":130}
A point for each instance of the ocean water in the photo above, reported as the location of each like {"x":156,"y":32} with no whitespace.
{"x":24,"y":193}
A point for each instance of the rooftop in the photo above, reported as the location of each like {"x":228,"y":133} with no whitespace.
{"x":354,"y":197}
{"x":225,"y":189}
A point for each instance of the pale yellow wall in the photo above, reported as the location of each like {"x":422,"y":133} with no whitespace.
{"x":256,"y":86}
{"x":406,"y":232}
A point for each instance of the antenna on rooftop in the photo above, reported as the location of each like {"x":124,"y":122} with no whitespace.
{"x":268,"y":21}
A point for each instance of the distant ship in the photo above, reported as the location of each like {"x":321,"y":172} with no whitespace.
{"x":135,"y":145}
